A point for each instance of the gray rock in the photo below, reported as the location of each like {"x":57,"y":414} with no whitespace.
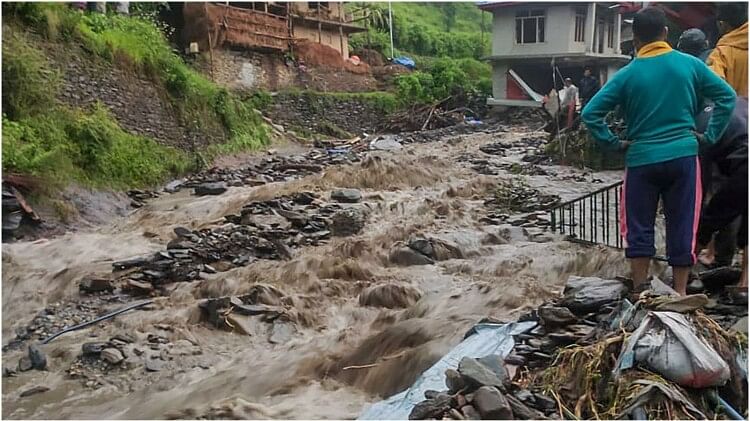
{"x":432,"y":408}
{"x":556,"y":316}
{"x":545,"y":403}
{"x":405,"y":256}
{"x":740,"y":326}
{"x":210,"y":189}
{"x":470,"y":413}
{"x":24,"y":364}
{"x":95,"y":284}
{"x":386,"y":143}
{"x":8,"y":372}
{"x":154,"y":365}
{"x":523,"y":412}
{"x":281,"y":332}
{"x":492,"y":404}
{"x":37,"y":357}
{"x":93,"y":348}
{"x":112,"y":355}
{"x":583,"y":295}
{"x":34,"y":391}
{"x":347,"y":222}
{"x":422,"y":246}
{"x":346,"y":195}
{"x":182,"y":232}
{"x":489,"y":371}
{"x":454,"y":381}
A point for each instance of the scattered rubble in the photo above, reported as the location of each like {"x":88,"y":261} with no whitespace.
{"x":571,"y":366}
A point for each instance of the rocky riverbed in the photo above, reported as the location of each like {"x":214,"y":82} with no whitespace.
{"x":304,"y":285}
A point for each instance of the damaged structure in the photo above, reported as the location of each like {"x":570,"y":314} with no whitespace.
{"x":267,"y":26}
{"x":248,"y":44}
{"x":530,"y":40}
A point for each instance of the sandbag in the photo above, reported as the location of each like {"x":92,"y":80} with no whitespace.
{"x":665,"y":343}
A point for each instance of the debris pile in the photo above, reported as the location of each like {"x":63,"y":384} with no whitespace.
{"x":425,"y":117}
{"x":517,"y":196}
{"x":595,"y":354}
{"x":262,"y":230}
{"x":263,"y":303}
{"x":139,"y":197}
{"x":271,"y":169}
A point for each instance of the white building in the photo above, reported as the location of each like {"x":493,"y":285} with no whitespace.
{"x":529,"y":37}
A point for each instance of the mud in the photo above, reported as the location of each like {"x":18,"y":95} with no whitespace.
{"x":359,"y":327}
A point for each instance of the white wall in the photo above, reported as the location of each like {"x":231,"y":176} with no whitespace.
{"x":499,"y":80}
{"x":558,"y":33}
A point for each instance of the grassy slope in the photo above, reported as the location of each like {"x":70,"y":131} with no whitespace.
{"x":44,"y":138}
{"x":468,"y":16}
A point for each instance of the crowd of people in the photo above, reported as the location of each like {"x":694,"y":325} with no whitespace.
{"x":686,"y":146}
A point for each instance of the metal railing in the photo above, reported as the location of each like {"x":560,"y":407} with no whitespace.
{"x":591,"y":219}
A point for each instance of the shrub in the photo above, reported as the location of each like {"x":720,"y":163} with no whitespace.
{"x":29,"y":84}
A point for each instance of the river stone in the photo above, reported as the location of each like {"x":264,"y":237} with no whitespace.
{"x":210,"y":189}
{"x":740,"y":326}
{"x":154,"y":364}
{"x":112,"y":355}
{"x":523,"y":412}
{"x":556,"y":316}
{"x":24,"y":364}
{"x":491,"y":404}
{"x":37,"y":357}
{"x":470,"y":413}
{"x":34,"y":391}
{"x":93,"y":348}
{"x":454,"y":381}
{"x":347,"y":222}
{"x":346,"y":195}
{"x":432,"y":408}
{"x":589,"y":294}
{"x":489,"y":371}
{"x":95,"y":284}
{"x":405,"y":256}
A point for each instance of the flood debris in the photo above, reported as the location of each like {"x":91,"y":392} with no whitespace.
{"x":269,"y":229}
{"x":15,"y":211}
{"x":596,"y":355}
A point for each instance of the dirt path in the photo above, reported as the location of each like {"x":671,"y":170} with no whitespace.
{"x":334,"y":355}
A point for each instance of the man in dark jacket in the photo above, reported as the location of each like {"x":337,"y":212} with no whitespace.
{"x":729,"y":201}
{"x":588,"y":86}
{"x":693,"y":41}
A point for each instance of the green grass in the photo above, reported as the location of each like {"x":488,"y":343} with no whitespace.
{"x":45,"y":138}
{"x":385,"y":102}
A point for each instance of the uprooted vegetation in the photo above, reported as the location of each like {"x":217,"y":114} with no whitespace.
{"x":46,"y":138}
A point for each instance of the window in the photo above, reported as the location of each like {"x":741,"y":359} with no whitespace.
{"x":611,"y":33}
{"x":580,"y":28}
{"x":529,"y":26}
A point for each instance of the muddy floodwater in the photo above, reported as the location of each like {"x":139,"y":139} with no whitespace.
{"x":338,"y":352}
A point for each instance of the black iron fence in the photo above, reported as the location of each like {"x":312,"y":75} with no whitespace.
{"x":591,"y":219}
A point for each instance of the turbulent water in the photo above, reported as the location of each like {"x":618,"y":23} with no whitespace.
{"x":342,"y":356}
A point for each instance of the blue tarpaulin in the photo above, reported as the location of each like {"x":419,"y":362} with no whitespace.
{"x":405,"y":61}
{"x":484,"y":339}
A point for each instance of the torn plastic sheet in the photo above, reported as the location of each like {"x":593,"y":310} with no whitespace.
{"x":488,"y":339}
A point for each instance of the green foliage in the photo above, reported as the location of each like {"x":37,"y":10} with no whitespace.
{"x":451,"y":29}
{"x":43,"y":138}
{"x":29,"y":84}
{"x":89,"y":148}
{"x":442,"y":78}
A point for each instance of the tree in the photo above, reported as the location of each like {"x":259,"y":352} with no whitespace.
{"x":375,"y":18}
{"x":450,"y":9}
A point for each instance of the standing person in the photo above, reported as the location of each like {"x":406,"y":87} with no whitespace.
{"x":589,"y":86}
{"x":730,"y":200}
{"x":569,"y":101}
{"x":659,"y":93}
{"x":729,"y":58}
{"x":693,"y":41}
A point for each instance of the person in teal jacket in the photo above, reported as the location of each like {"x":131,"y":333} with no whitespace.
{"x":660,"y":93}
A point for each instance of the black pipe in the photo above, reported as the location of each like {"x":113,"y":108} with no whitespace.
{"x":98,"y":319}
